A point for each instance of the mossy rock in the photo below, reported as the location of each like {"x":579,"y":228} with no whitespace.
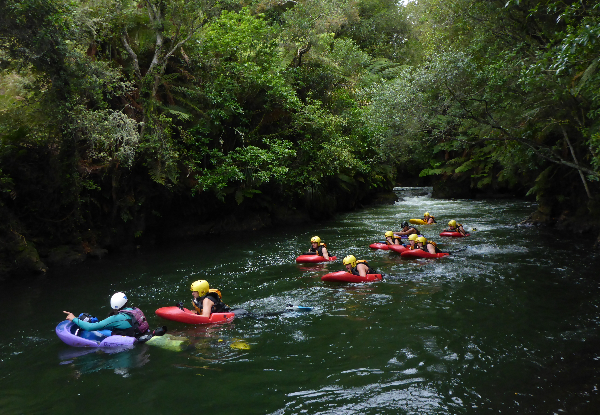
{"x":65,"y":255}
{"x":28,"y":259}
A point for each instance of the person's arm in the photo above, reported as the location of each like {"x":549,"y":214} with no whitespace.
{"x":207,"y":307}
{"x":431,"y":248}
{"x":462,"y":230}
{"x":325,"y":253}
{"x":362,"y":270}
{"x":109,"y":322}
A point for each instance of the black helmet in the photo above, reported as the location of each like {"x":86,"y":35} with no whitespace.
{"x":404,"y":224}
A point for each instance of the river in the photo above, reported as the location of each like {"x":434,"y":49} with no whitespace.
{"x":507,"y":324}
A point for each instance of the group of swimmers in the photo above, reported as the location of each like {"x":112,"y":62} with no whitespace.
{"x":415,"y":241}
{"x":418,"y":241}
{"x":130,"y":321}
{"x":354,"y":266}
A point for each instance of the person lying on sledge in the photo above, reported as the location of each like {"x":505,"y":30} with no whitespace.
{"x":124,"y":321}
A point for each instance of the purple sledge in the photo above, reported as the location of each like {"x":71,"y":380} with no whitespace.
{"x":66,"y":331}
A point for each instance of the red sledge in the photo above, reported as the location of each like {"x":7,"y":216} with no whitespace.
{"x":344,"y":276}
{"x":398,"y":248}
{"x":453,"y":234}
{"x":306,"y":259}
{"x":190,"y":317}
{"x":419,"y":253}
{"x":379,"y":245}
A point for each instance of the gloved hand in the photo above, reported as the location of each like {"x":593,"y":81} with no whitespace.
{"x":160,"y":331}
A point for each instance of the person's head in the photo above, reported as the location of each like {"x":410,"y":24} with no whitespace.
{"x":452,"y":223}
{"x":412,"y":238}
{"x":199,"y":288}
{"x":389,"y":234}
{"x":349,"y":262}
{"x":421,"y":240}
{"x":404,"y":225}
{"x":118,"y":301}
{"x":426,"y":215}
{"x":315,"y":241}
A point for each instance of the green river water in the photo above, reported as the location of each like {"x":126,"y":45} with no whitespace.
{"x":508,"y":324}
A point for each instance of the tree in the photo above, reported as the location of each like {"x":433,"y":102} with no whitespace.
{"x":512,"y":83}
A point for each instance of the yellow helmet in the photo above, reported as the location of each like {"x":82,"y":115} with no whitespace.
{"x":201,"y":286}
{"x":426,"y":215}
{"x":452,"y":223}
{"x":421,"y":239}
{"x":389,"y":233}
{"x":350,"y":259}
{"x":413,"y":237}
{"x":315,"y":239}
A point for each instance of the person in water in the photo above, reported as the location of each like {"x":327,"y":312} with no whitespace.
{"x":207,"y":301}
{"x":407,"y":230}
{"x":317,"y":247}
{"x":427,"y":246}
{"x":358,"y":267}
{"x":391,"y":239}
{"x":412,"y":238}
{"x":124,"y":321}
{"x":453,"y":226}
{"x":428,"y":219}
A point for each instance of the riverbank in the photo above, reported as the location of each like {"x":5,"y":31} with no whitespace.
{"x":23,"y":256}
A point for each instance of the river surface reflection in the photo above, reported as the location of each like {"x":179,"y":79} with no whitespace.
{"x":508,"y":323}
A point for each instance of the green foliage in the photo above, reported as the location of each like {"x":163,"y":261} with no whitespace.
{"x":112,"y":110}
{"x":239,"y":55}
{"x":119,"y":108}
{"x":250,"y":167}
{"x":381,"y":29}
{"x":112,"y":136}
{"x":496,"y":96}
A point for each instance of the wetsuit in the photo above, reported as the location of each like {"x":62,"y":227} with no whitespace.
{"x":218,"y":306}
{"x":418,"y":232}
{"x":437,"y":250}
{"x":118,"y":324}
{"x":318,"y":250}
{"x":457,"y":229}
{"x":362,"y":261}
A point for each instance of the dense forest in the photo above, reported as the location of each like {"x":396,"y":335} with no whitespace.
{"x":125,"y":122}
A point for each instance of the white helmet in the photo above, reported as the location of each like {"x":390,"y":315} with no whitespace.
{"x":118,"y":300}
